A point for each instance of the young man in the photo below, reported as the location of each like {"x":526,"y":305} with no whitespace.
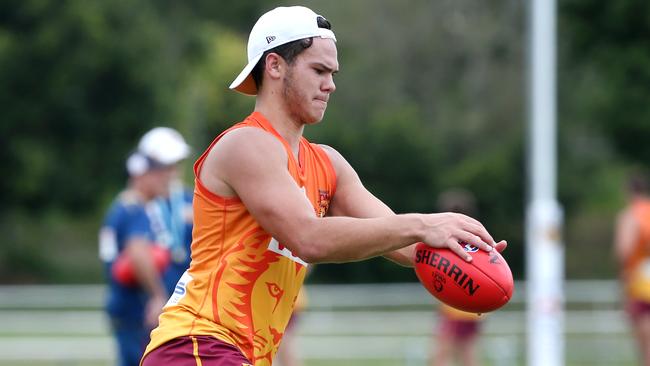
{"x":134,"y":224}
{"x":632,"y":249}
{"x":267,"y":202}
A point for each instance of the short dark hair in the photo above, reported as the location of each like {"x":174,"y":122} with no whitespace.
{"x":288,"y":51}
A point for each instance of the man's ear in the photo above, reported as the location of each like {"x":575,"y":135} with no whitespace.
{"x":275,"y":65}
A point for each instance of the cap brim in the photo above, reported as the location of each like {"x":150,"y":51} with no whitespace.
{"x":172,"y":155}
{"x":244,"y":82}
{"x":178,"y":154}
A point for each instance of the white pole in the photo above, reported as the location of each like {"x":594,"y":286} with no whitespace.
{"x":544,"y":251}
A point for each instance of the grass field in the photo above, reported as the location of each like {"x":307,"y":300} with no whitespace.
{"x":376,"y":325}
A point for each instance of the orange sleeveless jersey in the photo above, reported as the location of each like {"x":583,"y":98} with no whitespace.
{"x":638,"y":266}
{"x":242,"y":284}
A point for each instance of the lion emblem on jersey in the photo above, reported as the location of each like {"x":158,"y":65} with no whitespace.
{"x":257,"y":303}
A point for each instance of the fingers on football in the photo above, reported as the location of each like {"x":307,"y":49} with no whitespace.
{"x":458,"y":249}
{"x":480,"y":231}
{"x":501,"y":246}
{"x":469,"y":238}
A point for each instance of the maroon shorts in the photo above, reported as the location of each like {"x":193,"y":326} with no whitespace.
{"x":195,"y":350}
{"x":636,"y":309}
{"x":459,"y":330}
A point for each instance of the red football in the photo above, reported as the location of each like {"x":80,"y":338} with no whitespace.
{"x":482,"y":285}
{"x":122,"y":269}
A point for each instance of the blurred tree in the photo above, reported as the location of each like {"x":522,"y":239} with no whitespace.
{"x":609,"y":48}
{"x":79,"y":82}
{"x":603,"y":79}
{"x":430,"y":96}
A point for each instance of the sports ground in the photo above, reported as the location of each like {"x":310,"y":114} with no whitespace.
{"x":345,"y":325}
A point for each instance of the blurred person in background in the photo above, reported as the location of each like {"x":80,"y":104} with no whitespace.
{"x":458,"y":331}
{"x":144,"y":241}
{"x":268,"y":203}
{"x":632,"y":249}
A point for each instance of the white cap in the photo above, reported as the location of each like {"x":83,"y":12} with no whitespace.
{"x":160,"y":146}
{"x":277,"y":27}
{"x":164,"y":145}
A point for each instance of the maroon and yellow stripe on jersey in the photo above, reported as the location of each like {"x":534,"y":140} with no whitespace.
{"x":242,"y":284}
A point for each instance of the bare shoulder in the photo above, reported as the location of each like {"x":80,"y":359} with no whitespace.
{"x":338,"y":161}
{"x":330,"y":150}
{"x":239,"y":151}
{"x":246,"y":139}
{"x":346,"y":176}
{"x":352,"y":198}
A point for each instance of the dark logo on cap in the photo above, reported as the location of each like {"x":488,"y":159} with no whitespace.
{"x":270,"y":39}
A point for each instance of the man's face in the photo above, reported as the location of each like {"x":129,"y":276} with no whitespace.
{"x":309,"y":81}
{"x":159,"y":179}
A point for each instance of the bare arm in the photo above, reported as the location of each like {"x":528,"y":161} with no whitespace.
{"x":252,"y":165}
{"x":147,"y":276}
{"x":353,"y":199}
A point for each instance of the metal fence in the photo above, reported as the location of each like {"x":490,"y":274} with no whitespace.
{"x":343,"y":324}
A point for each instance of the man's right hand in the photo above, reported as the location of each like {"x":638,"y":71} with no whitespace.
{"x":153,"y":309}
{"x":452,"y":230}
